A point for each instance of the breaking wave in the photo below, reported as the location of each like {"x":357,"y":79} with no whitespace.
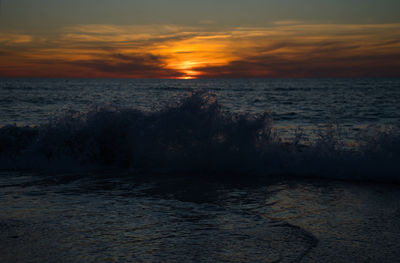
{"x":194,"y":136}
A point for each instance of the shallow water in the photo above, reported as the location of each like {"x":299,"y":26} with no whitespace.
{"x":110,"y":218}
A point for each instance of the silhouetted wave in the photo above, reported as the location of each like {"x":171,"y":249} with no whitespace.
{"x":195,"y":137}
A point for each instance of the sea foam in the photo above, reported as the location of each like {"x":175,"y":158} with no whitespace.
{"x":194,"y":137}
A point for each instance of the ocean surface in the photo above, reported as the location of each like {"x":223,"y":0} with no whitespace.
{"x":294,"y":102}
{"x":244,"y":170}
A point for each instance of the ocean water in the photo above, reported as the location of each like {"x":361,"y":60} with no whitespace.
{"x":340,"y":128}
{"x":102,"y":217}
{"x":275,"y":170}
{"x":293,"y":102}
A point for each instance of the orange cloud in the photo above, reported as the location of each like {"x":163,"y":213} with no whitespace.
{"x":286,"y":49}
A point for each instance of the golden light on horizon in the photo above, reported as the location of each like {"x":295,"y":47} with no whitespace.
{"x":186,"y":67}
{"x":282,"y":50}
{"x":187,"y":55}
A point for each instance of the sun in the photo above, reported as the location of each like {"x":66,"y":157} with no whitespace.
{"x":187,"y":77}
{"x":190,"y":56}
{"x":186,"y":67}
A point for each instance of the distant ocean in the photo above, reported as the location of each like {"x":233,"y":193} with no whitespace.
{"x":352,"y":103}
{"x":227,"y":170}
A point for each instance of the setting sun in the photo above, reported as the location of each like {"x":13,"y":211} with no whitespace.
{"x":188,"y":55}
{"x":186,"y":68}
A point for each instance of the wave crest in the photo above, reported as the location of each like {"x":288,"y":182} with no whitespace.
{"x":194,"y":136}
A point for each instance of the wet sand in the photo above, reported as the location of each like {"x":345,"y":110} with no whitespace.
{"x":120,"y":219}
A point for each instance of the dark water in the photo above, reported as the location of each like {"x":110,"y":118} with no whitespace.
{"x":340,"y":128}
{"x":302,"y":102}
{"x":199,"y":170}
{"x":103,"y":218}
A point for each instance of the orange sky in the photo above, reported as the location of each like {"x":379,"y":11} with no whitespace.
{"x":284,"y":49}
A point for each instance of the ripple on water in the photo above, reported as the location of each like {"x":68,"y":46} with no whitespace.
{"x":103,"y":226}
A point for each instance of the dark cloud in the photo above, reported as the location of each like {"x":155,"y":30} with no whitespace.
{"x":114,"y":65}
{"x":314,"y":66}
{"x":120,"y":65}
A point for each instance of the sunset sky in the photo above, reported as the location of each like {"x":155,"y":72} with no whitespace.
{"x":199,"y":39}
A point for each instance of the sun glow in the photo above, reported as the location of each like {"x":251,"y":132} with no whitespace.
{"x":186,"y":67}
{"x":188,"y":55}
{"x":287,"y":49}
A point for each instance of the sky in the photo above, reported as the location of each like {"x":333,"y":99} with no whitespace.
{"x":199,"y":39}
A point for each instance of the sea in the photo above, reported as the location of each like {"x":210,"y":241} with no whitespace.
{"x":202,"y":170}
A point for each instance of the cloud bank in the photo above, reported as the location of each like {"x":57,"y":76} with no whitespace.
{"x":285,"y":49}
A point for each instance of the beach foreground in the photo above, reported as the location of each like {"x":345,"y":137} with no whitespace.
{"x":118,"y":218}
